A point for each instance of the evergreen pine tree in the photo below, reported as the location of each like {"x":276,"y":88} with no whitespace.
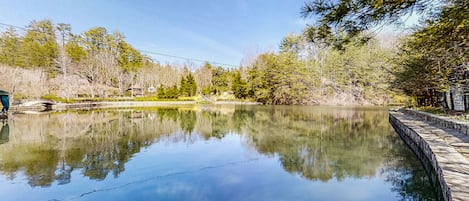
{"x":239,"y":86}
{"x":183,"y":87}
{"x":191,"y":85}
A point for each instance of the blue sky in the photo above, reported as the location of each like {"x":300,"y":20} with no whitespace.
{"x":221,"y":31}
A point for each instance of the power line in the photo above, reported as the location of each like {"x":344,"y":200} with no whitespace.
{"x":150,"y":52}
{"x":9,"y":25}
{"x":186,"y":58}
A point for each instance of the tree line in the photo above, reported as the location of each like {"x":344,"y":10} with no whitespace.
{"x":97,"y":63}
{"x":429,"y":62}
{"x":325,"y":64}
{"x":304,"y":72}
{"x":435,"y":58}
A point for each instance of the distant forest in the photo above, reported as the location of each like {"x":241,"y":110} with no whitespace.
{"x":48,"y":60}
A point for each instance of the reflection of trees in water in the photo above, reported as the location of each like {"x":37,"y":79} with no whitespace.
{"x":316,"y":143}
{"x":4,"y":132}
{"x":37,"y":161}
{"x":98,"y":143}
{"x":321,"y":144}
{"x":411,"y":183}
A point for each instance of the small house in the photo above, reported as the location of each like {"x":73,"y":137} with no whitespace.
{"x":136,"y":90}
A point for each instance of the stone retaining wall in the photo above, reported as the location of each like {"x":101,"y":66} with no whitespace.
{"x":423,"y":151}
{"x":446,"y":122}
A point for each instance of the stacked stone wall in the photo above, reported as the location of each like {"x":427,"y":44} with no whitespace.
{"x":445,"y":122}
{"x":424,"y":152}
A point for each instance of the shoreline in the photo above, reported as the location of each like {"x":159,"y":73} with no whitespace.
{"x":120,"y":104}
{"x":47,"y":105}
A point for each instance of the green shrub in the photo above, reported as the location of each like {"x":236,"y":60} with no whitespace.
{"x":55,"y":98}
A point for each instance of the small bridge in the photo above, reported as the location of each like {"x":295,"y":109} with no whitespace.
{"x":45,"y":103}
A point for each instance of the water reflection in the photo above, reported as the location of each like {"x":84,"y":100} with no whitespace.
{"x":4,"y":133}
{"x":318,"y":144}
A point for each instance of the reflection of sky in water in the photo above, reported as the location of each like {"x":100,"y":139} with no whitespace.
{"x":241,"y":167}
{"x":219,"y":170}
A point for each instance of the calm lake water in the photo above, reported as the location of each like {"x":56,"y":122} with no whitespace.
{"x":209,"y":153}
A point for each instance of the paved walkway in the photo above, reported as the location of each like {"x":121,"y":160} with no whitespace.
{"x":451,"y":150}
